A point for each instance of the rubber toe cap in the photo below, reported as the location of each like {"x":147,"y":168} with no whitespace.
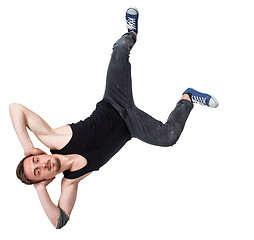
{"x":213,"y":102}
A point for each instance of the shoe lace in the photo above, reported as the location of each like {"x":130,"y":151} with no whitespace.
{"x":200,"y":100}
{"x":131,"y":23}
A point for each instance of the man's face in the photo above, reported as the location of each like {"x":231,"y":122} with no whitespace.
{"x":41,"y":167}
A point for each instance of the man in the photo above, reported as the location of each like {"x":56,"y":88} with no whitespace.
{"x":81,"y":148}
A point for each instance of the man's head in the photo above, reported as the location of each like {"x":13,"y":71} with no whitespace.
{"x":35,"y":169}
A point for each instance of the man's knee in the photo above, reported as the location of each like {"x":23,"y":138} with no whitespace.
{"x":120,"y":52}
{"x":124,"y":44}
{"x":170,"y":140}
{"x":121,"y":46}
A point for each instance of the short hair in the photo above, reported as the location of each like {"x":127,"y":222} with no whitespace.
{"x":21,"y":173}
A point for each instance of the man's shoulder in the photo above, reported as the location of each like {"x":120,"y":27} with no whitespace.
{"x":73,"y":182}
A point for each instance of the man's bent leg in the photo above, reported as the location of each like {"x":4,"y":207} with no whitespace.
{"x":119,"y":84}
{"x":152,"y":131}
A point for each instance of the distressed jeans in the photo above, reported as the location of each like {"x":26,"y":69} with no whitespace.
{"x":119,"y":93}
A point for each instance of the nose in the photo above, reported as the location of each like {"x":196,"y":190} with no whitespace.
{"x":48,"y":165}
{"x":43,"y":165}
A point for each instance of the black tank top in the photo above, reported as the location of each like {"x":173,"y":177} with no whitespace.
{"x":97,"y":138}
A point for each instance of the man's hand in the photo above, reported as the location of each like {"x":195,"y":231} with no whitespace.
{"x":34,"y":151}
{"x":43,"y":184}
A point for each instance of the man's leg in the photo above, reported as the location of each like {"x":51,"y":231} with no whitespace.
{"x":119,"y":93}
{"x":152,"y":131}
{"x":119,"y":83}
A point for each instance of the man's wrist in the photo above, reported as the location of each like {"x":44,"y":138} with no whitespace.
{"x":39,"y":187}
{"x":28,"y":150}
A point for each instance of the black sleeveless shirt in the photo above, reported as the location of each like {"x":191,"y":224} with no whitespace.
{"x":97,"y":138}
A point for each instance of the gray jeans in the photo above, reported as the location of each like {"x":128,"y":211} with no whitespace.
{"x":119,"y":93}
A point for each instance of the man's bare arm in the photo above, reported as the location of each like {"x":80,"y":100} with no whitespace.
{"x":23,"y":118}
{"x":51,"y":210}
{"x":66,"y":200}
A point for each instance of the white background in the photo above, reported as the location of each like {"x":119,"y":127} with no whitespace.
{"x":53,"y":59}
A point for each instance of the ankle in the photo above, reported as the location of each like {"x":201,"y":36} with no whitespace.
{"x":186,"y":96}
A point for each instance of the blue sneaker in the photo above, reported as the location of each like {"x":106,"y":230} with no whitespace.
{"x":202,"y":98}
{"x":132,"y":19}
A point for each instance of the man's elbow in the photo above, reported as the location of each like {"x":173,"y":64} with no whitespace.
{"x":14,"y":107}
{"x":60,"y":225}
{"x":62,"y":220}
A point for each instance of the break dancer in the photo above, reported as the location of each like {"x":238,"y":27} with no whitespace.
{"x":79,"y":149}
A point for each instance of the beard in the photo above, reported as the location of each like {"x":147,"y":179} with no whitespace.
{"x":58,"y":164}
